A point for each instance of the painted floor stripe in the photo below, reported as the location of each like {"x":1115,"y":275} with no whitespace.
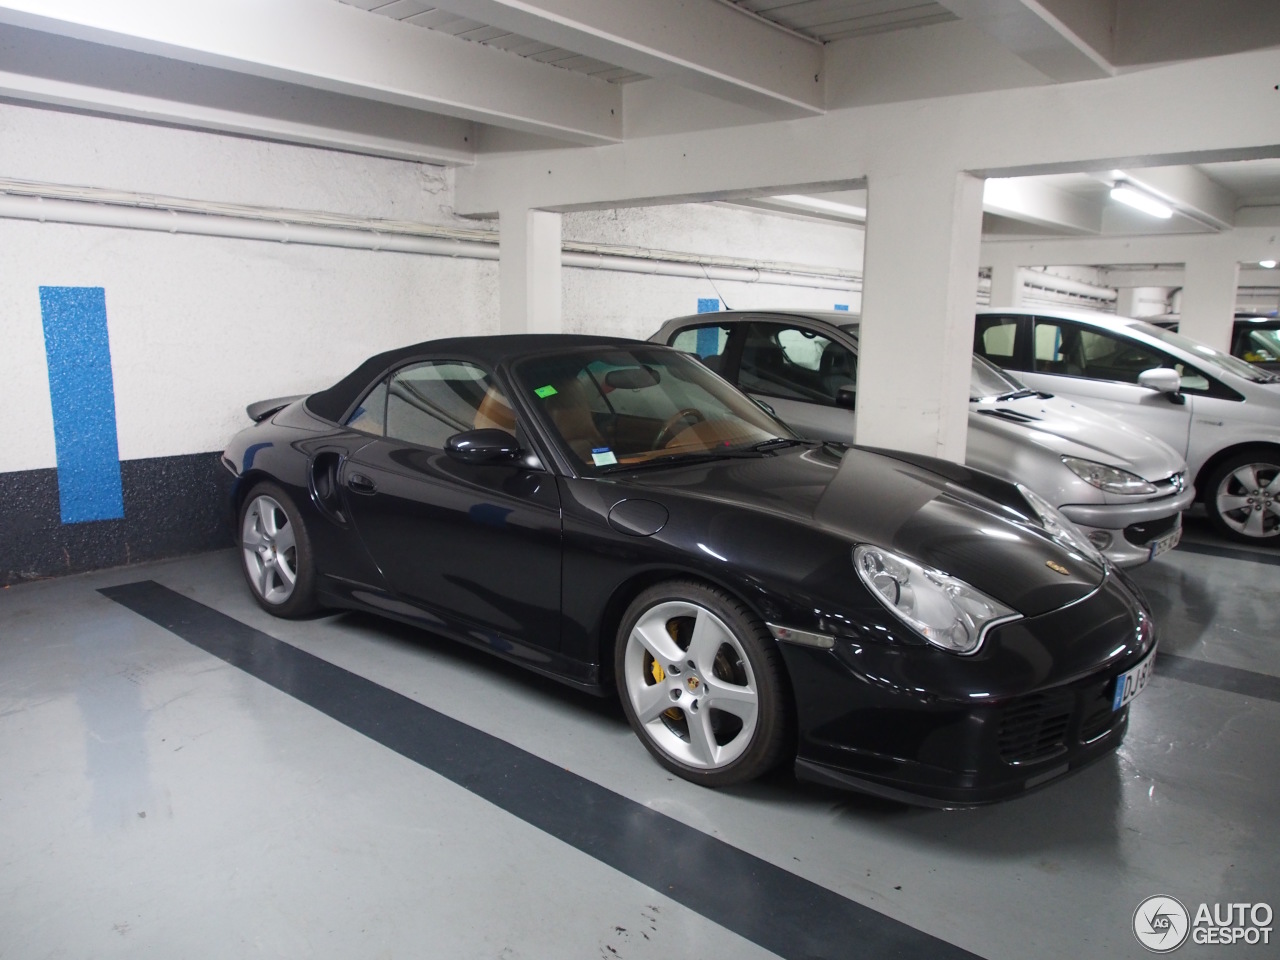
{"x":786,"y":914}
{"x":1248,"y":683}
{"x":1230,"y":553}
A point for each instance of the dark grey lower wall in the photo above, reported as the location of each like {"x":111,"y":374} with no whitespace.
{"x":172,"y":506}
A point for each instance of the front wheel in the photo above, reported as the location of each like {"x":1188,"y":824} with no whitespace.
{"x":1242,"y":497}
{"x":702,"y":684}
{"x":276,"y":552}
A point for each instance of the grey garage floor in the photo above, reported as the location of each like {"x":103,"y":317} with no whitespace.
{"x":353,"y":788}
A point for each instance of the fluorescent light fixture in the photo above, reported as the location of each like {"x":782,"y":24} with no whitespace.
{"x":1141,"y":201}
{"x":826,"y":206}
{"x":1268,"y":264}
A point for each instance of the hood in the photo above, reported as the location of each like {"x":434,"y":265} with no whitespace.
{"x":929,"y":510}
{"x":1071,"y":430}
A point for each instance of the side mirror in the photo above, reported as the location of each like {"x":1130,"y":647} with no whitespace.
{"x":1163,"y":380}
{"x":482,"y":446}
{"x":1160,"y":379}
{"x":847,"y":397}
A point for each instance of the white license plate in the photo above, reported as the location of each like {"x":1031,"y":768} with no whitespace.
{"x":1167,"y":542}
{"x":1131,"y":683}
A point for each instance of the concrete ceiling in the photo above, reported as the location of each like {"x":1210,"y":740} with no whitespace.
{"x":454,"y":81}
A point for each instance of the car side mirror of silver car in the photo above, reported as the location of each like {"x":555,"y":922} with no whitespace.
{"x":482,"y":446}
{"x":1163,"y":380}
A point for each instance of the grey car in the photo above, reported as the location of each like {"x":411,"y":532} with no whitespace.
{"x":1125,"y":489}
{"x":1218,"y":411}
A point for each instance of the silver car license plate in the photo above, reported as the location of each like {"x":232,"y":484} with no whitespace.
{"x":1132,"y":682}
{"x":1167,"y":542}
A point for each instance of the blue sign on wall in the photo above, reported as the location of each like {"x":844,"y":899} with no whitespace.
{"x":708,"y":304}
{"x":84,"y":406}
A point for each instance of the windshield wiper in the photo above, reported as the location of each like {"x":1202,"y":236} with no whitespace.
{"x":674,"y":459}
{"x":1011,"y":395}
{"x":776,"y":443}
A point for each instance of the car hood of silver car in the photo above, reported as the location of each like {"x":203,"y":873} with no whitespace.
{"x":1071,"y":430}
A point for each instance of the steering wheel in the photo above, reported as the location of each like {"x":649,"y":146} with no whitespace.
{"x":689,"y":416}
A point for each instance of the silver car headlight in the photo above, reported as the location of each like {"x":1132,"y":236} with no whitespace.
{"x":1109,"y":479}
{"x":1058,"y":526}
{"x":944,"y":610}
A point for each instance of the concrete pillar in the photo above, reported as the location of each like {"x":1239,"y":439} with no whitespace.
{"x":1127,"y":301}
{"x":1006,"y":283}
{"x":529,"y":288}
{"x":919,"y":286}
{"x":1209,"y":296}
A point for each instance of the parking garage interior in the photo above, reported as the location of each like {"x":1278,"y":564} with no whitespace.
{"x":210,"y":204}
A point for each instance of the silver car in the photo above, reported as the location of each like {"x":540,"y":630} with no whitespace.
{"x":1221,"y":413}
{"x":1123,"y":488}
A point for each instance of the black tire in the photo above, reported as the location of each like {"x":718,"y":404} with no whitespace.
{"x":275,"y":550}
{"x":716,"y":711}
{"x":1248,"y":512}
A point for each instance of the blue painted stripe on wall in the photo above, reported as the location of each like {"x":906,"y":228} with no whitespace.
{"x":842,"y":306}
{"x":708,"y":304}
{"x":84,"y":406}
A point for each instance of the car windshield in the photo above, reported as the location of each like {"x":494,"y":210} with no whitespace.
{"x":986,"y":380}
{"x":618,"y":408}
{"x":1262,"y":345}
{"x":1206,"y":355}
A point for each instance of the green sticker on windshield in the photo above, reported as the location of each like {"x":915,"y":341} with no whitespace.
{"x":547,"y":391}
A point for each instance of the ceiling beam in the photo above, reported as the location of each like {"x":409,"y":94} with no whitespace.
{"x":341,"y":49}
{"x":1023,"y":199}
{"x":1191,"y":191}
{"x":57,"y":71}
{"x":1063,"y":39}
{"x":708,"y":46}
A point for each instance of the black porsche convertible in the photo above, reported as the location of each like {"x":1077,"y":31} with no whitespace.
{"x":613,"y":514}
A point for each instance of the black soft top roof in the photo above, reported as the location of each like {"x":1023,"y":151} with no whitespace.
{"x":333,"y":404}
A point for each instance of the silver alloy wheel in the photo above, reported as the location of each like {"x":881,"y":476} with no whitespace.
{"x":697,"y":703}
{"x":270,"y":549}
{"x":1248,"y":499}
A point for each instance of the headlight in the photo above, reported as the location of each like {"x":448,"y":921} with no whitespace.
{"x":1108,"y":478}
{"x":945,"y":611}
{"x":1058,"y":526}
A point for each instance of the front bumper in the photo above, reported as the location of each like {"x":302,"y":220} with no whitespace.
{"x":1130,"y":531}
{"x":929,"y":728}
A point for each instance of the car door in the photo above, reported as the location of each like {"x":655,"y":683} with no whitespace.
{"x":803,"y":373}
{"x":1099,"y":368}
{"x":478,"y":546}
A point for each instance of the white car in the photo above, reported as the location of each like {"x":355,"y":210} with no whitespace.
{"x":1125,"y":490}
{"x":1221,"y":413}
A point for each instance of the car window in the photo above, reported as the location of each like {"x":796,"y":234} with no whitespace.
{"x":1259,"y":346}
{"x":1079,"y":351}
{"x":995,"y":338}
{"x":706,"y":342}
{"x":795,"y":363}
{"x":371,"y":415}
{"x":629,"y":405}
{"x":429,"y":402}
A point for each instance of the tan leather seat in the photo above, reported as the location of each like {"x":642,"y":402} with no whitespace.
{"x":494,"y":413}
{"x":572,"y":416}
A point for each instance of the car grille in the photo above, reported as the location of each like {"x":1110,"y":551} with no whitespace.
{"x":1140,"y":534}
{"x":1043,"y":725}
{"x":1036,"y":727}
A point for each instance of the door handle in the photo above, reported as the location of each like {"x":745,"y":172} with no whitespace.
{"x":359,"y":483}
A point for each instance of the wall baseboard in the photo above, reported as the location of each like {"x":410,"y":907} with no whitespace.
{"x":172,"y":506}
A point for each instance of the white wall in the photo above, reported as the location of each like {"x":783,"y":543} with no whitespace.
{"x":635,"y":305}
{"x":200,"y":326}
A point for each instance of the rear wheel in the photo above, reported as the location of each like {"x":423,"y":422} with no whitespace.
{"x":1242,"y":497}
{"x":276,"y":552}
{"x":702,"y":684}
